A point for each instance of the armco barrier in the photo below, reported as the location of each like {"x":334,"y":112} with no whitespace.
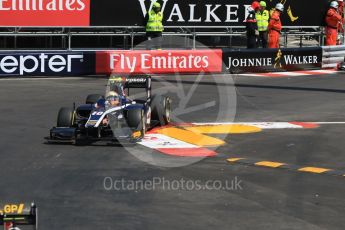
{"x":79,"y":63}
{"x":332,"y":55}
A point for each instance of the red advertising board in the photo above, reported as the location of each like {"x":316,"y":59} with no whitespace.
{"x":45,"y":12}
{"x":159,"y":61}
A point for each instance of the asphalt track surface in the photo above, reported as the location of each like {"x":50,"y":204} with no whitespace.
{"x":67,"y":182}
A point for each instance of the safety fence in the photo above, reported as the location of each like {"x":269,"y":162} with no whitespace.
{"x":104,"y":24}
{"x":332,"y":55}
{"x":134,"y":37}
{"x":104,"y":62}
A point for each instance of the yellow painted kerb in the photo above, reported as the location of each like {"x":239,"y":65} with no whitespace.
{"x":191,"y":137}
{"x":313,"y":170}
{"x":270,"y":164}
{"x":231,"y":160}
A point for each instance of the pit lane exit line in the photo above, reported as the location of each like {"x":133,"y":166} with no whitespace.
{"x":290,"y":167}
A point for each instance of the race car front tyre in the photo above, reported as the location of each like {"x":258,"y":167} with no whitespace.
{"x":93,"y":98}
{"x":65,"y":117}
{"x":134,"y":118}
{"x":161,"y":109}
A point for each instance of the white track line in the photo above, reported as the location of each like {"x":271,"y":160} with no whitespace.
{"x":275,"y":125}
{"x":325,"y":71}
{"x":262,"y":125}
{"x":293,"y":73}
{"x":329,"y":123}
{"x":159,"y":141}
{"x":172,"y":146}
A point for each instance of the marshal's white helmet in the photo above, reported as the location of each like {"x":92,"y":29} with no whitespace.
{"x":334,"y":4}
{"x":280,"y":7}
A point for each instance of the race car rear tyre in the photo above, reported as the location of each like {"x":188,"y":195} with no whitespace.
{"x":93,"y":98}
{"x":65,"y":117}
{"x":161,"y":109}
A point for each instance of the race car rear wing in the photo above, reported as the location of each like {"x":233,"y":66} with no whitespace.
{"x":13,"y":215}
{"x":133,"y":81}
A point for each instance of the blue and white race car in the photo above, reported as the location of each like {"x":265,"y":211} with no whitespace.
{"x":113,"y":117}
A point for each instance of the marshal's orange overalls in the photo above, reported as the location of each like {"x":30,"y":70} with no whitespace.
{"x":341,"y":8}
{"x":274,"y":30}
{"x":333,"y":18}
{"x":341,"y":12}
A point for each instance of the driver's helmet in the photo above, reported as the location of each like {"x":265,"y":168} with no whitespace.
{"x":112,"y":98}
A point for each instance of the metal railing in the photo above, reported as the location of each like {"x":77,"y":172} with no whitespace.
{"x":291,"y":36}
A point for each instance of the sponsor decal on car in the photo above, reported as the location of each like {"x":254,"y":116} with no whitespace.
{"x":136,"y":80}
{"x":128,"y":79}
